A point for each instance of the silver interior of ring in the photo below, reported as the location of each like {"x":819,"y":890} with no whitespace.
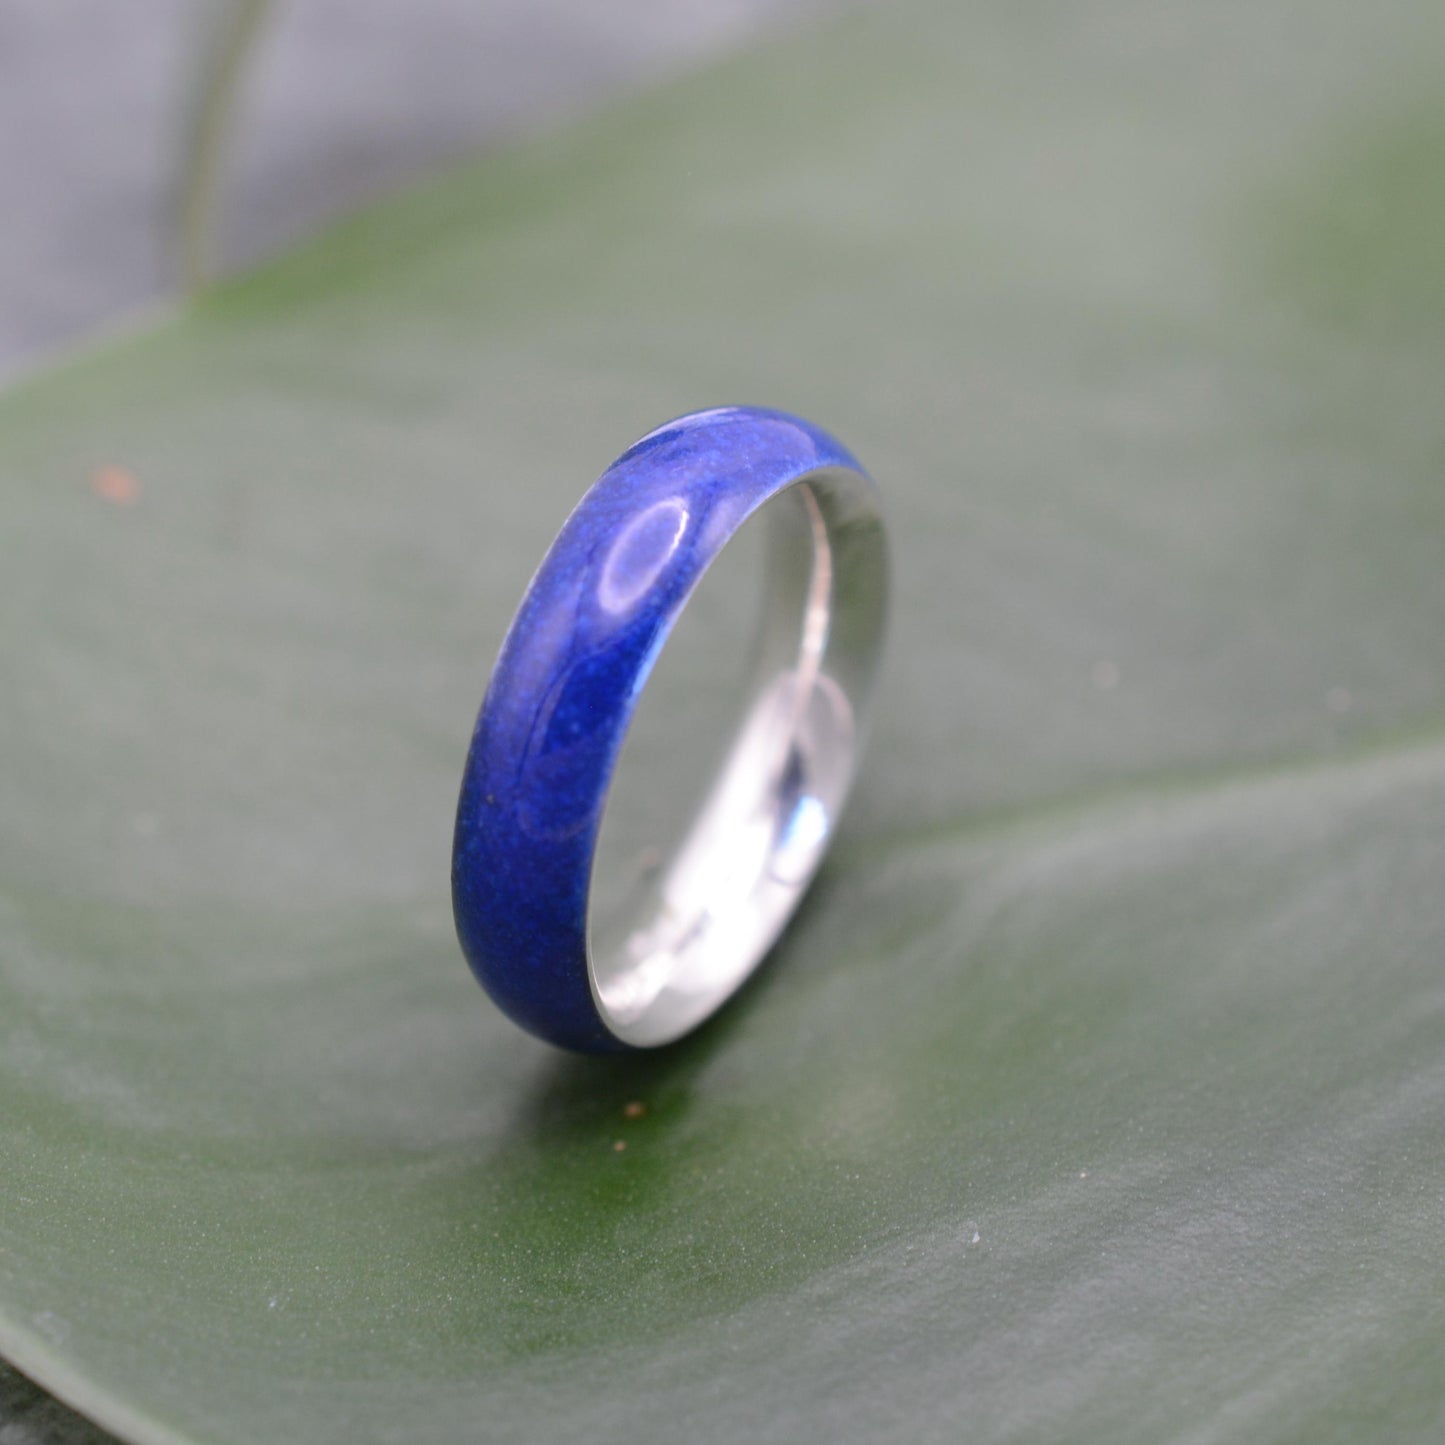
{"x":702,"y":912}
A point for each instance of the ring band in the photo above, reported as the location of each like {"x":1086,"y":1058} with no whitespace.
{"x":563,"y":693}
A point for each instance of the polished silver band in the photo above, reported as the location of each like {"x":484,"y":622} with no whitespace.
{"x":704,"y":915}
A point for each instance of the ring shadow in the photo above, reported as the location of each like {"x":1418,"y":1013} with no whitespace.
{"x":627,"y":1208}
{"x":575,"y":1094}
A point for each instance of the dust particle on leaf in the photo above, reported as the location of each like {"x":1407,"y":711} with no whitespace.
{"x":115,"y":485}
{"x":635,"y":1110}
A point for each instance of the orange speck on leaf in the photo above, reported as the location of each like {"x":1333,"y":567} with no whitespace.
{"x":635,"y":1110}
{"x":115,"y":485}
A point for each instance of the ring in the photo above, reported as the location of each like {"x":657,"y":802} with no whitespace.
{"x":563,"y":694}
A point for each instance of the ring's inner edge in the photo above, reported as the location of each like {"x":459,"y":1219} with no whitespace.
{"x":711,"y":911}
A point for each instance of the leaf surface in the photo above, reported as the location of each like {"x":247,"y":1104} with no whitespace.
{"x":1096,"y":1092}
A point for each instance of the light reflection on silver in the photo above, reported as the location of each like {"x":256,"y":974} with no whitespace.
{"x":699,"y":922}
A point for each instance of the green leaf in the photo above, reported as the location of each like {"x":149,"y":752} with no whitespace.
{"x":1096,"y":1092}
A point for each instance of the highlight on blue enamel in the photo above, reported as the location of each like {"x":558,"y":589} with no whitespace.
{"x":556,"y":713}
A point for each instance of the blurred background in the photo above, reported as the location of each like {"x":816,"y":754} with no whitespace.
{"x":106,"y":110}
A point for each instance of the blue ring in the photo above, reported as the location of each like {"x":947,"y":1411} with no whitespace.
{"x":564,"y":688}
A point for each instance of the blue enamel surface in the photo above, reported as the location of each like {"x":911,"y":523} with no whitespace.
{"x":570,"y":672}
